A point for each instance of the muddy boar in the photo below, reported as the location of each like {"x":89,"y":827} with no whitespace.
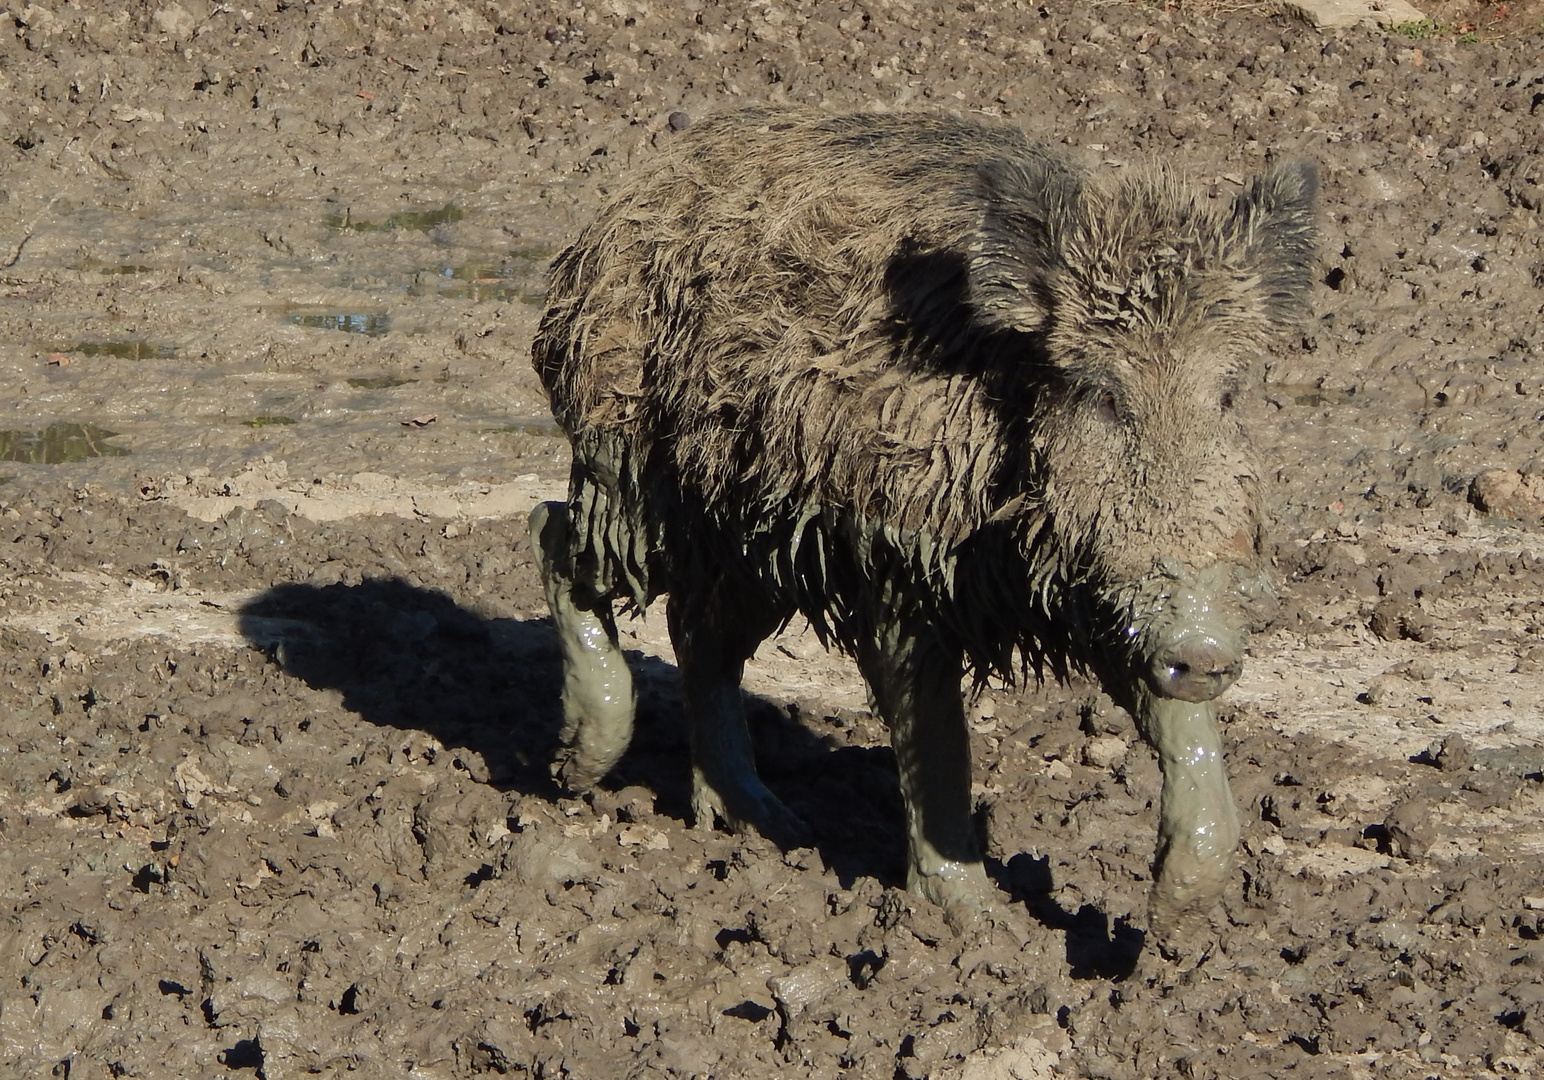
{"x":968,"y":407}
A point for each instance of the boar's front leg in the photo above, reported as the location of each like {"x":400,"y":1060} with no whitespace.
{"x":598,"y":696}
{"x":1198,"y":827}
{"x":914,"y":678}
{"x":714,"y":635}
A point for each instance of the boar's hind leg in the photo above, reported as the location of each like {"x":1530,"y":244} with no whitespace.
{"x":713,"y":637}
{"x":915,"y":681}
{"x":598,"y":695}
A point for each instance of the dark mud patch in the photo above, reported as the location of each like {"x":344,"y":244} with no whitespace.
{"x":370,"y":641}
{"x":122,"y":269}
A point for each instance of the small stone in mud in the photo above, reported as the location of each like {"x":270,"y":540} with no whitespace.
{"x":1418,"y":670}
{"x":679,"y":121}
{"x":1530,"y":660}
{"x":1388,"y":618}
{"x":1104,"y":752}
{"x":1379,"y":690}
{"x":1410,"y":828}
{"x":1452,"y":754}
{"x":1505,"y":493}
{"x":1099,"y":716}
{"x":1397,"y":617}
{"x":1343,"y":14}
{"x":806,"y":986}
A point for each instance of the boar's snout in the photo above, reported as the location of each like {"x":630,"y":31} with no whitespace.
{"x":1197,"y":665}
{"x":1191,"y":647}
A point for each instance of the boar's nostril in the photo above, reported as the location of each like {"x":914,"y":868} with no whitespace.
{"x":1197,"y":668}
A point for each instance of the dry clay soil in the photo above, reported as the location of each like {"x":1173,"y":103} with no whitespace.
{"x":277,"y":692}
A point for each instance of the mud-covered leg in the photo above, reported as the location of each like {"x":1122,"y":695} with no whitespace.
{"x":915,"y":681}
{"x":1198,"y":826}
{"x":598,"y":696}
{"x":713,"y":639}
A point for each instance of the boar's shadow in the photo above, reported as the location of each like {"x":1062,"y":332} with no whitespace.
{"x":1095,"y":949}
{"x":411,"y":658}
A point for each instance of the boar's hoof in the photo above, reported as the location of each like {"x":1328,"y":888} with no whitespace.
{"x":994,"y":925}
{"x":744,"y":804}
{"x":1197,"y":667}
{"x":577,"y":772}
{"x":1177,"y":941}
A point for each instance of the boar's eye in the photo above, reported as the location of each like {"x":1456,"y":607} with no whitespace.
{"x":1109,"y":407}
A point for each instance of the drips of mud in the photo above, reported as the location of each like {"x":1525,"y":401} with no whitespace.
{"x":278,"y":699}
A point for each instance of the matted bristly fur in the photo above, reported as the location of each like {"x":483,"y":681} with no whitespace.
{"x":838,"y":357}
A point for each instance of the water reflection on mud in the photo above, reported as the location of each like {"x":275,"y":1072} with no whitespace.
{"x":126,"y":269}
{"x":379,"y":382}
{"x":543,"y":426}
{"x":371,"y":324}
{"x":517,"y":277}
{"x":1310,"y":395}
{"x":128,"y":349}
{"x":417,"y":220}
{"x":58,"y":443}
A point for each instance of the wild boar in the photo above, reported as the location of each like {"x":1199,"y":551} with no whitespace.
{"x":969,"y":407}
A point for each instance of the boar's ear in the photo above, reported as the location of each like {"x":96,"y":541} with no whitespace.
{"x":1273,"y":229}
{"x":1015,"y":250}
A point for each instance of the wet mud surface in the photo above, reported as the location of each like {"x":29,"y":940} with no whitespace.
{"x":278,"y":693}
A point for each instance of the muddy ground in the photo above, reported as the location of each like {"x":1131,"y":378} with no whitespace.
{"x":278,"y":695}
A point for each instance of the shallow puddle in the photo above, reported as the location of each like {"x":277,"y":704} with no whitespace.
{"x":269,"y":421}
{"x":379,"y":382}
{"x":130,"y":349}
{"x":112,"y":269}
{"x":466,"y":283}
{"x":369,"y":323}
{"x":58,"y":443}
{"x":519,"y":278}
{"x":1309,"y":395}
{"x":543,"y":426}
{"x":417,"y":220}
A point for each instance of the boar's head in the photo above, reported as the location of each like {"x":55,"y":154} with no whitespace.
{"x":1151,"y":306}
